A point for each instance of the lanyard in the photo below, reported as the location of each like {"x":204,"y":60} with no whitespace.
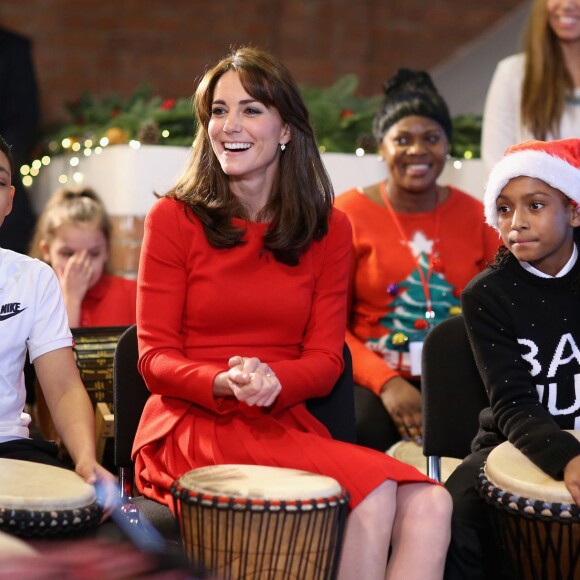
{"x":425,"y":278}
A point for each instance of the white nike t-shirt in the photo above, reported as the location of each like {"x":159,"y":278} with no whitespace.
{"x":32,"y":318}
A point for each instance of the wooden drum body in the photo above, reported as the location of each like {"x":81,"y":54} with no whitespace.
{"x":249,"y":521}
{"x":42,"y":500}
{"x":538,"y":522}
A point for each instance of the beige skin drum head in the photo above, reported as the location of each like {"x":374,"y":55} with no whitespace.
{"x":509,"y":469}
{"x":12,"y":547}
{"x":43,"y":500}
{"x":32,"y":486}
{"x":260,"y":482}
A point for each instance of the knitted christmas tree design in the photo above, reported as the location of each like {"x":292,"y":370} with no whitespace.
{"x":406,"y":319}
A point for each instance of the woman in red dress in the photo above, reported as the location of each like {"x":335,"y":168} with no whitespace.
{"x":241,"y":313}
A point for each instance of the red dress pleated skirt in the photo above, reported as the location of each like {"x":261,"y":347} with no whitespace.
{"x":293,"y":439}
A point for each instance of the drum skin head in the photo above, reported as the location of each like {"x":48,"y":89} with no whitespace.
{"x":28,"y":485}
{"x":509,"y":469}
{"x":12,"y":547}
{"x":259,"y":482}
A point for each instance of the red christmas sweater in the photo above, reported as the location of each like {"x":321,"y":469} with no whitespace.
{"x":386,"y":297}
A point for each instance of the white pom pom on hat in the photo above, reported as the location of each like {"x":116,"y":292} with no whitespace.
{"x":556,"y":163}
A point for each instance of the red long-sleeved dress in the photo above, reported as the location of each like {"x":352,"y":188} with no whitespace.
{"x":198,"y":306}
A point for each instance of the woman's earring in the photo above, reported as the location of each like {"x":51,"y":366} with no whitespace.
{"x":282,"y":146}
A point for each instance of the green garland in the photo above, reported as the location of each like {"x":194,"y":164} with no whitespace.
{"x":341,"y":119}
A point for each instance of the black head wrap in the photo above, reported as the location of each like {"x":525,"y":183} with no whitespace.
{"x":409,"y":93}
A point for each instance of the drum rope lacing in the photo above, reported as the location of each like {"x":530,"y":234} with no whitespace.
{"x":49,"y":522}
{"x":256,"y":504}
{"x":527,"y":507}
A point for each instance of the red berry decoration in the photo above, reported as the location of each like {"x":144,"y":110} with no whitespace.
{"x":345,"y":114}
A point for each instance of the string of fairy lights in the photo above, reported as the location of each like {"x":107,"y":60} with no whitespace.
{"x":77,"y":151}
{"x":83,"y":149}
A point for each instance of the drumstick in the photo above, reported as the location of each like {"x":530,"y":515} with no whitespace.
{"x":131,"y":522}
{"x":140,"y":531}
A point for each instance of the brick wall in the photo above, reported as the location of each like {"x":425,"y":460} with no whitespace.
{"x":115,"y":46}
{"x":112,"y":47}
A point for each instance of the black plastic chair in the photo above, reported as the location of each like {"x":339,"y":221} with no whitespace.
{"x":130,"y":394}
{"x":336,"y":411}
{"x":453,"y":394}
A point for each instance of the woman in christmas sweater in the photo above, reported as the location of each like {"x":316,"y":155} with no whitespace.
{"x":415,"y":246}
{"x":522,"y":317}
{"x":241,"y":314}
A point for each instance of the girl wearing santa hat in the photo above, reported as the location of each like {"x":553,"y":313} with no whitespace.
{"x":523,"y":319}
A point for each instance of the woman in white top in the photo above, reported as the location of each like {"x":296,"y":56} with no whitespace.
{"x":536,"y":94}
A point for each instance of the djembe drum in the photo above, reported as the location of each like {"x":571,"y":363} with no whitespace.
{"x":249,"y":521}
{"x":537,"y":520}
{"x":42,"y":500}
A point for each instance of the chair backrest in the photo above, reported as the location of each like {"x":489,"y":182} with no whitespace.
{"x":94,"y":350}
{"x":336,"y":410}
{"x":453,"y":393}
{"x":129,"y":393}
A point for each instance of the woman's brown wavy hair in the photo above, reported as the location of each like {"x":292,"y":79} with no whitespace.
{"x":302,"y":196}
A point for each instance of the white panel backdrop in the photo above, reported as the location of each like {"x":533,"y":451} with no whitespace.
{"x":127,"y":178}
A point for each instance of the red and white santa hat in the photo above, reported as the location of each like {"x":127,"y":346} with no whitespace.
{"x":557,"y":163}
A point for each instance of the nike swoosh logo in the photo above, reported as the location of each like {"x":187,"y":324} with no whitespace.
{"x":11,"y":314}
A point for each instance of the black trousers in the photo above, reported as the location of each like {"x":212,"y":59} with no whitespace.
{"x":475,"y":550}
{"x":34,"y":450}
